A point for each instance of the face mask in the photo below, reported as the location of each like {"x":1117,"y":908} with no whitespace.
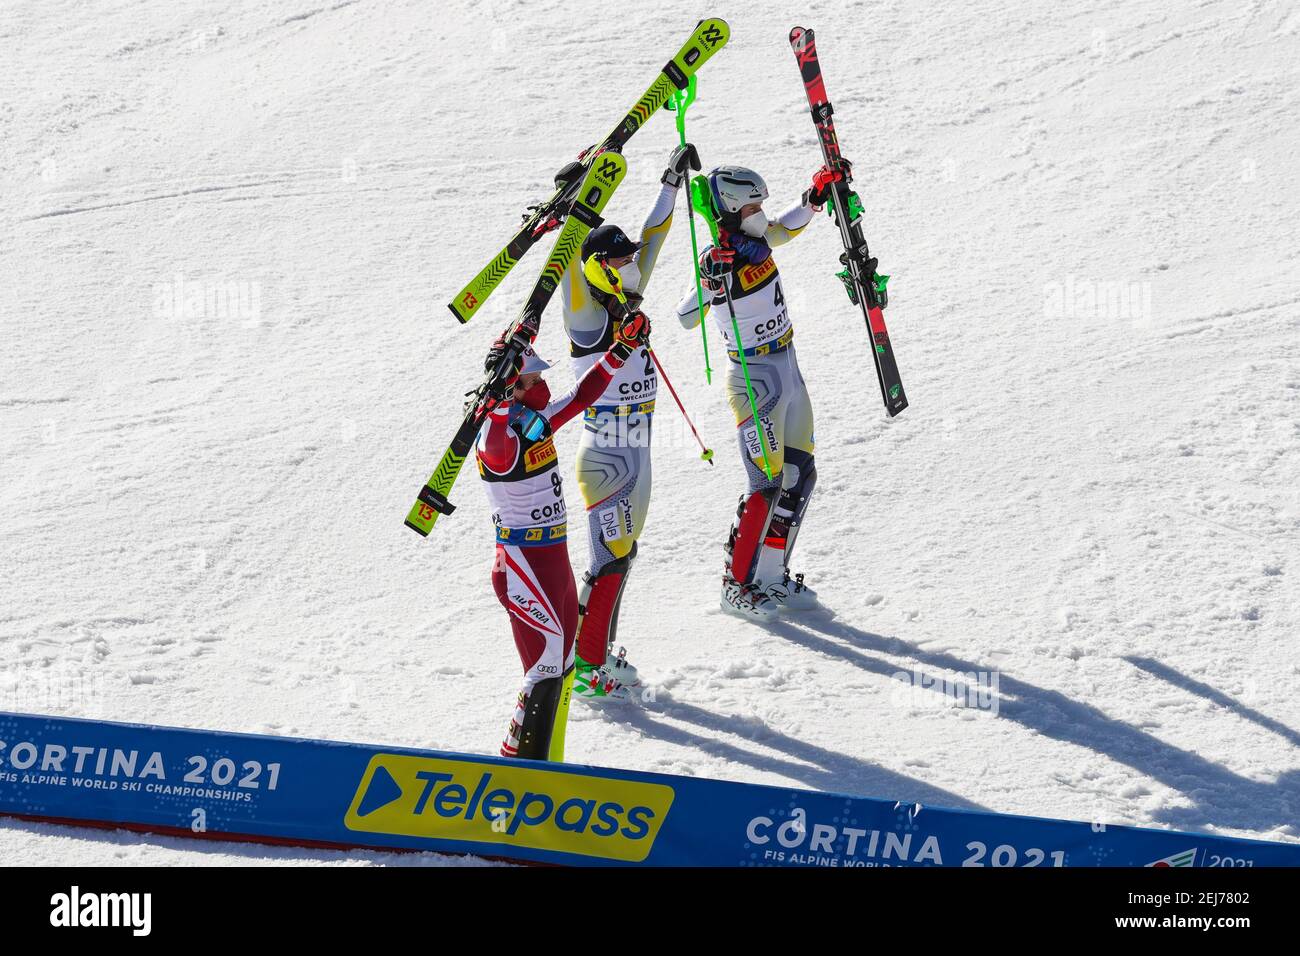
{"x":755,"y":224}
{"x":629,"y":276}
{"x":536,"y":398}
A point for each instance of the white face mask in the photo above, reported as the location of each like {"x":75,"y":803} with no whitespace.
{"x":755,"y":224}
{"x":629,"y":276}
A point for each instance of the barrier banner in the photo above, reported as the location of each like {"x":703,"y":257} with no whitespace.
{"x":288,"y":790}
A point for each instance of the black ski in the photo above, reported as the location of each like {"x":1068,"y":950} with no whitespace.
{"x":865,"y":286}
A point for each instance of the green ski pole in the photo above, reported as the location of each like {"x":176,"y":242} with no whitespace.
{"x":678,"y":103}
{"x":599,"y":274}
{"x":703,"y":202}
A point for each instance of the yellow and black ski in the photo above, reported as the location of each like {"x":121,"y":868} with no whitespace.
{"x":603,"y":176}
{"x":709,"y":37}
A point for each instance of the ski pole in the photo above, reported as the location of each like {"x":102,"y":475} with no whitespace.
{"x":680,"y":100}
{"x":700,"y":198}
{"x":706,"y":453}
{"x":599,"y":273}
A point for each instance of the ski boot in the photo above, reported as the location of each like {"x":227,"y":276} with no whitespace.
{"x":791,"y":594}
{"x":747,"y":601}
{"x":622,"y":668}
{"x":598,"y":682}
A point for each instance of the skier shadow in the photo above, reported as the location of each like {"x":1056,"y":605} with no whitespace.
{"x":1213,"y":694}
{"x":830,"y":771}
{"x":1218,"y":797}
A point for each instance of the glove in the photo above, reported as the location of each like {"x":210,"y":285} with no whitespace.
{"x":684,"y":157}
{"x":820,"y":190}
{"x":715,"y":265}
{"x":504,"y":374}
{"x":633,"y":332}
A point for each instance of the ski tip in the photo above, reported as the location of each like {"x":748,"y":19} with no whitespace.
{"x":715,"y":32}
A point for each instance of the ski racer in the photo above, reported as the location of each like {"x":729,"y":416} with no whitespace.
{"x":516,"y":457}
{"x":613,"y":461}
{"x":741,"y":274}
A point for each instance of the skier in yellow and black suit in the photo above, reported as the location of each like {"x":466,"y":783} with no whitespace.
{"x":614,"y":453}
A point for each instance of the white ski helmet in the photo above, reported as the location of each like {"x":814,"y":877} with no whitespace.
{"x":736,"y":186}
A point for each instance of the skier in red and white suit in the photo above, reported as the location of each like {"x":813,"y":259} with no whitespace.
{"x":531,"y":574}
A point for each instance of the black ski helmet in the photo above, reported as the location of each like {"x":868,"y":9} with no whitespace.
{"x":609,"y":242}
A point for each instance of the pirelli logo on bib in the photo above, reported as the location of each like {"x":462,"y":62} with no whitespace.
{"x":540,"y":455}
{"x":755,"y":275}
{"x":517,"y":806}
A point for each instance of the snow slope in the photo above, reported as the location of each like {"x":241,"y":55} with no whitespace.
{"x":1091,"y":220}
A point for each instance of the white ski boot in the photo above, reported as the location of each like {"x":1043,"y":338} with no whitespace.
{"x":596,"y":683}
{"x":622,"y":668}
{"x":791,"y":594}
{"x":744,"y":600}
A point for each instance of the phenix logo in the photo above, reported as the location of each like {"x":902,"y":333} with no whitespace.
{"x":74,"y":909}
{"x":517,"y":806}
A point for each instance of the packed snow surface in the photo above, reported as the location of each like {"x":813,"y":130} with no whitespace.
{"x":228,"y":366}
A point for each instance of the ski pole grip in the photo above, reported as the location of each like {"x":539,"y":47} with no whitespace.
{"x":682,"y":99}
{"x":703,"y":204}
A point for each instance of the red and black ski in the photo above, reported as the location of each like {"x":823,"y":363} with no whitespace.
{"x":865,"y":286}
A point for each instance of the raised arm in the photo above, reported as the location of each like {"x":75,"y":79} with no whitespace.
{"x":575,"y":297}
{"x":654,"y":232}
{"x":715,"y":271}
{"x":790,"y":223}
{"x":688,"y":310}
{"x":632,"y":333}
{"x":584,"y":391}
{"x":660,"y":219}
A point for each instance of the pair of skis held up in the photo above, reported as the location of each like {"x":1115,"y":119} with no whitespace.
{"x":583,"y":189}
